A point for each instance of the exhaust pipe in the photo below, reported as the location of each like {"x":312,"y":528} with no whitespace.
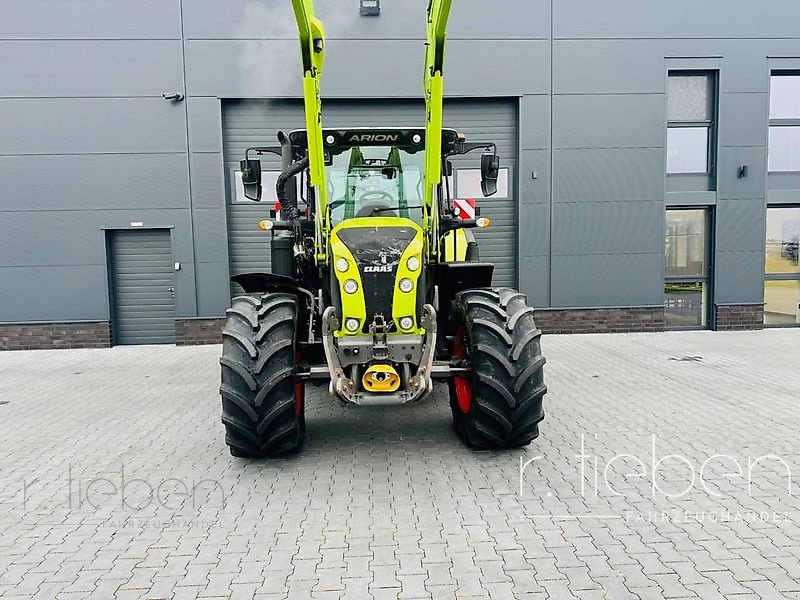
{"x":286,"y":186}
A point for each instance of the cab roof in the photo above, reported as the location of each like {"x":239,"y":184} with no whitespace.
{"x":336,"y":141}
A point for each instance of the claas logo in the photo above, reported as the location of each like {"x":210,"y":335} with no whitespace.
{"x":378,"y":269}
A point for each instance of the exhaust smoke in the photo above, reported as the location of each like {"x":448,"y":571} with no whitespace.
{"x":269,"y":65}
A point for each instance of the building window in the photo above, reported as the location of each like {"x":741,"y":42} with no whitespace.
{"x":468,"y":184}
{"x":268,"y":181}
{"x":784,"y":122}
{"x":782,"y":269}
{"x":686,"y":254}
{"x":691,"y":128}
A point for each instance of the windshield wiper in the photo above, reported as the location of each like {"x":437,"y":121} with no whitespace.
{"x":382,"y":209}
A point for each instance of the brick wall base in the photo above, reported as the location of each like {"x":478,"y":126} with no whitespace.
{"x":600,"y":320}
{"x":737,"y":317}
{"x":188,"y":332}
{"x":40,"y":336}
{"x":191,"y":332}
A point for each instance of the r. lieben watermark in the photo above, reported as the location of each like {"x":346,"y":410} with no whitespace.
{"x":602,"y":475}
{"x":120,"y":491}
{"x":706,"y":516}
{"x":674,"y":478}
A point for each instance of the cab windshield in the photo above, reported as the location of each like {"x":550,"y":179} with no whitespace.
{"x":376,"y":181}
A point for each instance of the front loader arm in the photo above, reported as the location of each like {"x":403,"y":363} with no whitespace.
{"x":312,"y":54}
{"x":433,"y":83}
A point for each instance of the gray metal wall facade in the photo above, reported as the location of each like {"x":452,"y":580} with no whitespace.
{"x":87,"y":142}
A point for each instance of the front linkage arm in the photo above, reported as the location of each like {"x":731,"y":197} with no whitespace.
{"x":433,"y":85}
{"x":312,"y":53}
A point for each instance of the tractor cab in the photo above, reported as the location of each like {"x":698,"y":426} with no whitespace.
{"x":375,"y":181}
{"x":373,"y":172}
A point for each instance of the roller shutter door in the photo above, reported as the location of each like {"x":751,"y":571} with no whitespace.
{"x":255,"y":122}
{"x":142,"y":287}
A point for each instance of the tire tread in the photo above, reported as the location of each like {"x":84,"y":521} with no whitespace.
{"x":258,"y":383}
{"x":507,"y":369}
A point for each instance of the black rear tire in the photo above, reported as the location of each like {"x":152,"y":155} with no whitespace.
{"x":263,"y":401}
{"x":499,"y":405}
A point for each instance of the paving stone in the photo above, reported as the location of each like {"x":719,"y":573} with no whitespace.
{"x":386,"y":503}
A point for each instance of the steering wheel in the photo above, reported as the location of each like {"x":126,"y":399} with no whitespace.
{"x":375,"y":195}
{"x":373,"y":201}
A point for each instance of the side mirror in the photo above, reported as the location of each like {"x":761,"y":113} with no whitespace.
{"x":251,"y":178}
{"x":490,"y":170}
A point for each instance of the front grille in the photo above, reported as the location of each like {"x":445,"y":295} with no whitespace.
{"x":378,"y":294}
{"x":377,"y":251}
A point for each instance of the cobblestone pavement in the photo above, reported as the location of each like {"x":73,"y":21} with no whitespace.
{"x":115,"y":482}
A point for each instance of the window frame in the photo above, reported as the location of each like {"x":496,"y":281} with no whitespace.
{"x":776,"y":123}
{"x":709,"y":124}
{"x":706,"y":279}
{"x":777,"y":276}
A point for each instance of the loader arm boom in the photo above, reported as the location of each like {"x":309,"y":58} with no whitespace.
{"x":312,"y":55}
{"x":433,"y":83}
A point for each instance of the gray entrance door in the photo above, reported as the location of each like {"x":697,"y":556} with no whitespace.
{"x":142,"y":287}
{"x":255,"y":123}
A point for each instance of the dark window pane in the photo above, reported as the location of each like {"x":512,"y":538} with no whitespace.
{"x":784,"y":97}
{"x":690,"y":98}
{"x":687,"y":150}
{"x":685,"y":243}
{"x":783,"y":237}
{"x":784,"y":149}
{"x":685,"y":305}
{"x":782,"y":302}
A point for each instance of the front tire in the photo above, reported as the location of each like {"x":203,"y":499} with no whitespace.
{"x":262,"y":399}
{"x":499,"y":404}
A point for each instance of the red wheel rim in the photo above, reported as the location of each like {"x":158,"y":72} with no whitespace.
{"x":298,"y":397}
{"x":462,"y":386}
{"x":299,"y":389}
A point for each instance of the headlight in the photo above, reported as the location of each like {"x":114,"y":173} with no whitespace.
{"x":406,"y":323}
{"x":413,"y":263}
{"x":351,"y":325}
{"x":406,"y":285}
{"x":342,"y":265}
{"x":350,"y":286}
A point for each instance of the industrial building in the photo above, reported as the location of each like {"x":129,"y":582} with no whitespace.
{"x":650,"y":154}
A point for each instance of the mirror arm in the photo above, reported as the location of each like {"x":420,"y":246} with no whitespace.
{"x":464,"y":147}
{"x":259,"y":150}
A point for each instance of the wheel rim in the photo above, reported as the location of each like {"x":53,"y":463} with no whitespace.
{"x":299,"y":388}
{"x":462,"y":385}
{"x":298,"y":397}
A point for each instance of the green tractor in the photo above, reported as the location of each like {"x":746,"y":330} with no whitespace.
{"x":376,"y":287}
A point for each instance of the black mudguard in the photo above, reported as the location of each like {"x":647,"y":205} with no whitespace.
{"x":452,"y":278}
{"x":261,"y":283}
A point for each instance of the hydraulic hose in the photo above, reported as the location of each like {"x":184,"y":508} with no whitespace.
{"x":289,"y":207}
